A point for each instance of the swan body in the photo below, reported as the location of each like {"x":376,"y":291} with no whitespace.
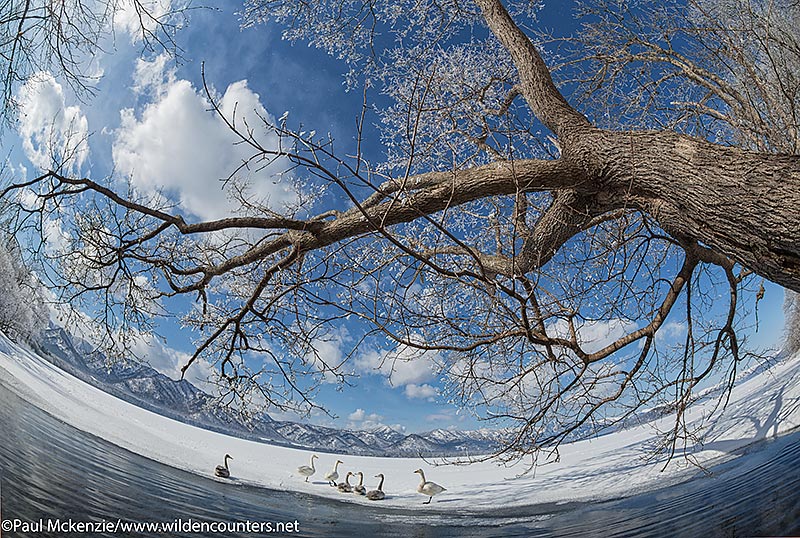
{"x":333,"y":476}
{"x":306,"y":470}
{"x":377,"y":494}
{"x":223,"y":471}
{"x":346,"y":487}
{"x":427,"y":487}
{"x":360,"y":489}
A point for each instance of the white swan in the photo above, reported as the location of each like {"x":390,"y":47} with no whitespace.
{"x":346,"y":487}
{"x":223,"y":472}
{"x":333,"y":476}
{"x":306,"y":470}
{"x":360,"y":489}
{"x":428,"y":488}
{"x":377,"y":494}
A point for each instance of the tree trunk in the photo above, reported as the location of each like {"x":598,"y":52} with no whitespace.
{"x":741,"y":204}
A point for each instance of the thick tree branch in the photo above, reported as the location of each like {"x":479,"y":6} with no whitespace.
{"x":536,"y":85}
{"x":569,"y":214}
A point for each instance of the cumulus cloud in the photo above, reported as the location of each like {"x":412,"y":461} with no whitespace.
{"x":169,"y":362}
{"x":56,"y":239}
{"x":402,"y":366}
{"x":153,"y":77}
{"x":422,"y":392}
{"x":326,"y":354}
{"x":671,"y":333}
{"x":54,"y":135}
{"x":596,"y":334}
{"x":361,"y":420}
{"x":140,"y":18}
{"x":178,"y":148}
{"x":357,"y":415}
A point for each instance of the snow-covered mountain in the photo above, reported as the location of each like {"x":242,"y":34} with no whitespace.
{"x":143,"y":386}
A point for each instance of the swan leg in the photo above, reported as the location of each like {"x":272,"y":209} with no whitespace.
{"x":306,"y":479}
{"x":429,"y":500}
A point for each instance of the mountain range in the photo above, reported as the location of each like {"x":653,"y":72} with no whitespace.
{"x":141,"y":385}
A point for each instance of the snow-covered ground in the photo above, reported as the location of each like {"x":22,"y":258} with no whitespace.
{"x":766,"y":405}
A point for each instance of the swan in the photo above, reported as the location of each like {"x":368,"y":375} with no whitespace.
{"x":377,"y":494}
{"x":223,"y":472}
{"x":360,"y":489}
{"x":346,"y":487}
{"x":334,"y":474}
{"x":306,"y":470}
{"x":428,"y":488}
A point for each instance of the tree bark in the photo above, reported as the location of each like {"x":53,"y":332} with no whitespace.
{"x":536,"y":85}
{"x":744,"y":205}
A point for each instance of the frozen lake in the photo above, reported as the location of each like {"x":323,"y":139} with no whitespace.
{"x":51,"y":470}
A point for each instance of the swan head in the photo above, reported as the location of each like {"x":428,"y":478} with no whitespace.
{"x":228,"y":457}
{"x":379,"y":475}
{"x":418,"y":471}
{"x":314,"y":456}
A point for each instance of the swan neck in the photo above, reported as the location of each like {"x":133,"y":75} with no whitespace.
{"x":380,"y":485}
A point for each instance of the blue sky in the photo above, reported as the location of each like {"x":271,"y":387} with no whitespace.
{"x":153,"y":105}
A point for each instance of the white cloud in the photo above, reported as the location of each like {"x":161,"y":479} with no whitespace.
{"x":177,"y":146}
{"x":136,"y":18}
{"x":159,"y":356}
{"x":56,"y":239}
{"x":402,"y":366}
{"x":153,"y":77}
{"x":326,"y":353}
{"x":169,"y":362}
{"x":54,"y":135}
{"x":357,"y":415}
{"x":18,"y":171}
{"x":672,"y":333}
{"x":445,"y":416}
{"x":594,"y":335}
{"x":422,"y":392}
{"x":361,"y":420}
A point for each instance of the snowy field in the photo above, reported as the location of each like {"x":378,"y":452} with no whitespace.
{"x":766,"y":405}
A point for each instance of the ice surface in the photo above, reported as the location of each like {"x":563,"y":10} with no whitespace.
{"x":765,"y":405}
